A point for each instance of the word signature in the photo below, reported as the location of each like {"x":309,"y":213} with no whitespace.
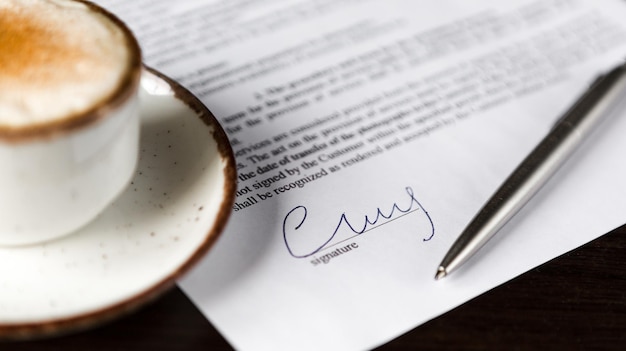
{"x":299,"y":214}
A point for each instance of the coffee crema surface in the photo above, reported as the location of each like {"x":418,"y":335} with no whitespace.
{"x":58,"y":59}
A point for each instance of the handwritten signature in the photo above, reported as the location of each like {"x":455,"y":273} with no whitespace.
{"x":299,"y":215}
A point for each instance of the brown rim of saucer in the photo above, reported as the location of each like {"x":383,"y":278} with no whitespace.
{"x":128,"y":85}
{"x":67,"y":325}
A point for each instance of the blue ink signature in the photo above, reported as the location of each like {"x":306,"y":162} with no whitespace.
{"x":300,"y":212}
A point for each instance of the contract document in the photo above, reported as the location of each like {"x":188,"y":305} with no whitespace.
{"x":367,"y":134}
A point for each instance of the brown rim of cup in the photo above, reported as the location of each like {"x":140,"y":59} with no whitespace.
{"x":128,"y":85}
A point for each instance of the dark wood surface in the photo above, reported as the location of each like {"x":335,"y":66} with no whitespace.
{"x":574,"y":302}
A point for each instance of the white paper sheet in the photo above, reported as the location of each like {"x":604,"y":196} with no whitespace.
{"x":367,"y":134}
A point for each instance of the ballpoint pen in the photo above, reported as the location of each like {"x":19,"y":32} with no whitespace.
{"x":569,"y":131}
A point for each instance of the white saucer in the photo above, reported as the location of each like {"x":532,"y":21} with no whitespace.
{"x":167,"y":219}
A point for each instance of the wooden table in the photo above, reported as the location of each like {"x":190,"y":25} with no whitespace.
{"x":574,"y":302}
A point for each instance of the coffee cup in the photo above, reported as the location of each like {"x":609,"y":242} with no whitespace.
{"x":69,"y":117}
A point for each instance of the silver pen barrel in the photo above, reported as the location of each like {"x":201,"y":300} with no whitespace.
{"x":566,"y":135}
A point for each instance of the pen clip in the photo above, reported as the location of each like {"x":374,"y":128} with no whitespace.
{"x":591,"y":92}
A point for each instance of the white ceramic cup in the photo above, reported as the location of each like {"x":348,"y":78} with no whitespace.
{"x":58,"y":175}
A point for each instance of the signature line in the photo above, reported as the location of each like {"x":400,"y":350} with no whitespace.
{"x":372,"y":228}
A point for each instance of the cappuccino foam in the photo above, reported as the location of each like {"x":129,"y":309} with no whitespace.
{"x":58,"y":59}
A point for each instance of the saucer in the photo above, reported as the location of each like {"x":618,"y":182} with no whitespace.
{"x":165,"y":221}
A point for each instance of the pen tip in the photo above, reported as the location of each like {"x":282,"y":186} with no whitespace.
{"x":441,"y":273}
